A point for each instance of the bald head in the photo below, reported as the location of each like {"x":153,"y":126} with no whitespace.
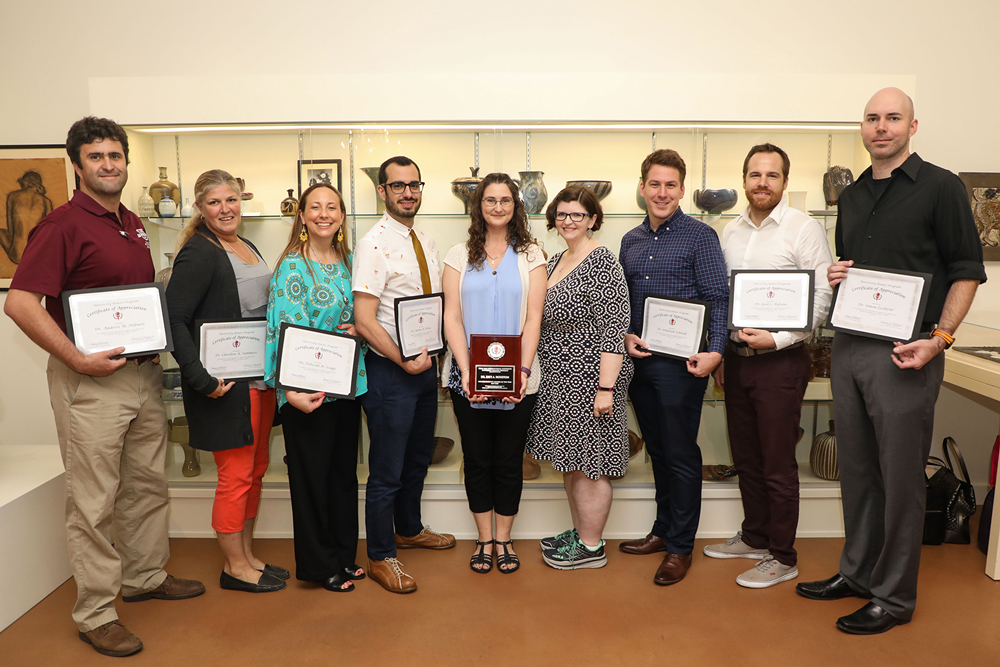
{"x":888,"y":100}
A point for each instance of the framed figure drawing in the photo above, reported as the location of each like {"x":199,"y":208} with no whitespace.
{"x":312,"y":172}
{"x":984,"y":196}
{"x":34,"y":180}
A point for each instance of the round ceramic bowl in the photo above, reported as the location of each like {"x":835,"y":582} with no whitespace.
{"x":601,"y":189}
{"x":715,"y":201}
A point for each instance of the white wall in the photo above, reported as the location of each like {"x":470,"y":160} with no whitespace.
{"x":646,"y":59}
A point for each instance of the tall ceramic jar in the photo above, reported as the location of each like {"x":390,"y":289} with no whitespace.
{"x":145,"y":207}
{"x":823,"y":455}
{"x":289,"y":205}
{"x":533,"y":192}
{"x":163,"y":188}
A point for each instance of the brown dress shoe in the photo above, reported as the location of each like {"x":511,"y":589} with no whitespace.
{"x":426,"y":539}
{"x":112,"y":639}
{"x":172,"y":588}
{"x":389,"y":574}
{"x":673,"y":568}
{"x":643,"y":546}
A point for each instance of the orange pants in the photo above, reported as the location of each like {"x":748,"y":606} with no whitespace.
{"x":241,"y":470}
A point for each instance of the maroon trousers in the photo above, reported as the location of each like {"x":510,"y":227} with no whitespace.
{"x":763,"y":408}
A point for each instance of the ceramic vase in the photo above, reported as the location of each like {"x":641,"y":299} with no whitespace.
{"x":145,"y":207}
{"x":188,"y":210}
{"x":835,"y":180}
{"x":639,"y":199}
{"x":167,"y":207}
{"x":465,"y":186}
{"x":163,"y":275}
{"x":533,"y":192}
{"x":372,"y":173}
{"x":163,"y":188}
{"x":530,"y":468}
{"x":601,"y":189}
{"x":823,"y":455}
{"x":442,"y":448}
{"x":177,"y":431}
{"x":289,"y":205}
{"x":715,"y":202}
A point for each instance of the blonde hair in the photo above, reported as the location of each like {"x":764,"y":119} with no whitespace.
{"x":212,"y":178}
{"x":297,"y":245}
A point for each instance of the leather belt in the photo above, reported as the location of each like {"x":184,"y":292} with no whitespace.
{"x":745,"y":350}
{"x":143,"y":359}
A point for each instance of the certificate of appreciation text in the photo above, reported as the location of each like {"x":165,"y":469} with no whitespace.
{"x":420,"y":324}
{"x":880,"y":303}
{"x":133,"y":317}
{"x":311,"y":360}
{"x":776,"y":300}
{"x":674,"y":327}
{"x":234,"y":349}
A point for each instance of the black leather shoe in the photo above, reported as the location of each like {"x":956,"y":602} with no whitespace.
{"x":276,"y":571}
{"x":335,"y":584}
{"x":354,"y":572}
{"x":834,"y":588}
{"x":266,"y":583}
{"x":869,"y":620}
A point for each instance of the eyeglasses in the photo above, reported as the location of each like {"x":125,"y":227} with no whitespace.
{"x":397,"y":187}
{"x":505,"y":202}
{"x":575,"y":216}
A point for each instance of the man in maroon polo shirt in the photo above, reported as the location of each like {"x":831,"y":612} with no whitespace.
{"x":109,"y":411}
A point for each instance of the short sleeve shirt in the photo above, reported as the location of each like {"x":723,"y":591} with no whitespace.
{"x":385,"y":265}
{"x":82,"y":245}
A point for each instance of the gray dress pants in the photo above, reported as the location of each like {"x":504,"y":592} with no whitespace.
{"x":885,"y":421}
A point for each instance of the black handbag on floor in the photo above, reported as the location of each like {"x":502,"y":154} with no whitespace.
{"x":950,"y":501}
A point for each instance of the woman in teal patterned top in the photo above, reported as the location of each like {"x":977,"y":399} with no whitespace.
{"x":311,"y":286}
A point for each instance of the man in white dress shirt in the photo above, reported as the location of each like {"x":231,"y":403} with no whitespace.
{"x":765,"y":373}
{"x":394,"y":259}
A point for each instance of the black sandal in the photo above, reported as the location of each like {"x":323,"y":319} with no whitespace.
{"x":507,"y":558}
{"x":482,"y":558}
{"x":335,"y":584}
{"x":353,"y":571}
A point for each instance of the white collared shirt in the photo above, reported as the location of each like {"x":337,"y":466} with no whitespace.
{"x":786,"y":239}
{"x":385,"y":266}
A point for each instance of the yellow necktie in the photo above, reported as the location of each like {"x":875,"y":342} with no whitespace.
{"x":425,"y":274}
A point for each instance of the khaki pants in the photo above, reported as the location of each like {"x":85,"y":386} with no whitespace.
{"x":113,"y":437}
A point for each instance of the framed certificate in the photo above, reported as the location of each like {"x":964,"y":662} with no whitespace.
{"x":776,"y":300}
{"x":233,"y":349}
{"x":495,"y":365}
{"x":132,"y":316}
{"x":420,"y":324}
{"x":880,"y":303}
{"x":311,"y":360}
{"x":674,"y":327}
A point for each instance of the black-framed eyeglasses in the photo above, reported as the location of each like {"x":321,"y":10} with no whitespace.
{"x":575,"y":216}
{"x":397,"y":187}
{"x":505,"y":202}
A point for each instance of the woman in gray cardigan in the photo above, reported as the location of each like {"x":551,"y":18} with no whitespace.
{"x":219,"y":275}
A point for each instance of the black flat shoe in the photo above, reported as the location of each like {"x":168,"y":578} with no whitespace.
{"x":869,"y":620}
{"x":834,"y":588}
{"x":355,"y":572}
{"x":335,"y":583}
{"x":266,"y":583}
{"x":276,"y":571}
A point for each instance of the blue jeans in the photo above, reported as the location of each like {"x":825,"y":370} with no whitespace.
{"x":667,"y":401}
{"x":401,"y":411}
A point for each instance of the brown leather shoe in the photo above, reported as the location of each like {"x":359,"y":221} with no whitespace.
{"x":426,"y":539}
{"x":673,"y":568}
{"x":390,"y":575}
{"x":643,"y":546}
{"x":172,"y":588}
{"x":112,"y":639}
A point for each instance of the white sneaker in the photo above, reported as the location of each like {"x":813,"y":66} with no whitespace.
{"x":767,"y":572}
{"x":734,"y":547}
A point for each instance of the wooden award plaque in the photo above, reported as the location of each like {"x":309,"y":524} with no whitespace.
{"x":495,"y":365}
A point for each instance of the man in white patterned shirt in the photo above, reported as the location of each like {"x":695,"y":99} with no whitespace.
{"x":394,"y":259}
{"x":765,"y":373}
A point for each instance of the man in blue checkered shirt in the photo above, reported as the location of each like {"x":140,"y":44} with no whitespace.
{"x":673,"y":255}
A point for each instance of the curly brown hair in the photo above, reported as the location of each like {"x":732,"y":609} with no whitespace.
{"x":517,"y":229}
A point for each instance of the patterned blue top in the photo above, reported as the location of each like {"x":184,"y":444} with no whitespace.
{"x":321,"y":300}
{"x":681,"y":259}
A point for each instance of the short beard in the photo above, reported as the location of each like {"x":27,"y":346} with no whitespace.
{"x":772,"y":202}
{"x":399,"y":213}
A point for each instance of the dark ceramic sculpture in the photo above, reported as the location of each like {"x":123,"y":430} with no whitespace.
{"x":835,"y":180}
{"x":601,"y":189}
{"x":715,"y":202}
{"x":533,"y":192}
{"x":464,"y":187}
{"x":442,"y":448}
{"x":289,"y":205}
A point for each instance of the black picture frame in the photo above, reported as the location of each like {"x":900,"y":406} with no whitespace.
{"x":917,"y":320}
{"x":311,"y":172}
{"x":807,"y":326}
{"x":404,"y":299}
{"x":68,"y":313}
{"x":282,"y":337}
{"x":702,"y":337}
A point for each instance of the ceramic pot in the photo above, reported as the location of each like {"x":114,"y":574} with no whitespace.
{"x":464,"y":187}
{"x":530,"y":468}
{"x":635,"y":443}
{"x":163,"y":276}
{"x":639,"y":199}
{"x":715,"y":202}
{"x":289,"y":205}
{"x":533,"y":192}
{"x":835,"y":180}
{"x":163,"y":188}
{"x":820,"y":349}
{"x":177,"y":431}
{"x":442,"y":448}
{"x":823,"y":455}
{"x":372,"y":173}
{"x":187,"y":211}
{"x":244,"y":195}
{"x":167,"y":207}
{"x":601,"y":189}
{"x":145,"y":207}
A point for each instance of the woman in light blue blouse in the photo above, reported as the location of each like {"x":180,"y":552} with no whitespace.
{"x":311,"y":286}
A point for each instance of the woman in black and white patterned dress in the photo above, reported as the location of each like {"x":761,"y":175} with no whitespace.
{"x":579,"y":423}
